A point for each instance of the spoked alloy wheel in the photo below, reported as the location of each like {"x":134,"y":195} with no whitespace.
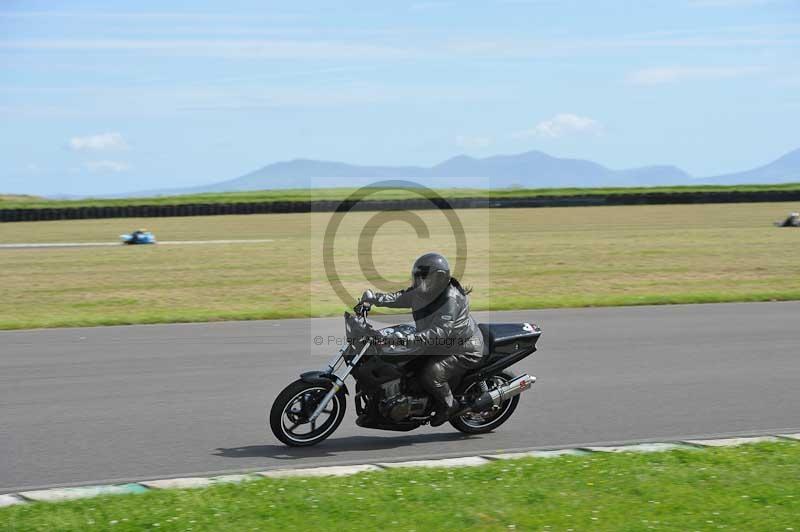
{"x":288,"y":418}
{"x":488,"y":420}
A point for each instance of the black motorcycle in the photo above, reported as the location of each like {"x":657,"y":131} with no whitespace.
{"x":388,"y":396}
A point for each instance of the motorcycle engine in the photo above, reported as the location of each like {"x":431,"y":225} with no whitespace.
{"x":398,"y":406}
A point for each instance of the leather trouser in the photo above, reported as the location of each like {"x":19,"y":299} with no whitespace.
{"x":441,"y":373}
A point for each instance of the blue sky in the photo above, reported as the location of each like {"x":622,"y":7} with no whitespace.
{"x":102,"y":97}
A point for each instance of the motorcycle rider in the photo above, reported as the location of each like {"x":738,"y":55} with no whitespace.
{"x":451,"y":337}
{"x":138,"y":235}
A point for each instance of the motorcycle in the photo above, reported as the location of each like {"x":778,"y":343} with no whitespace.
{"x":388,"y":395}
{"x":138,"y":238}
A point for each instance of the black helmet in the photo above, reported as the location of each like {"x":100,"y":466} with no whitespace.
{"x":430,"y":275}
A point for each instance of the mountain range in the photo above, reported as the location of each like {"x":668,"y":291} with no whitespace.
{"x":532,"y":169}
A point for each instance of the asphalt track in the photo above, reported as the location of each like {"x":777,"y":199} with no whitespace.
{"x":108,"y":404}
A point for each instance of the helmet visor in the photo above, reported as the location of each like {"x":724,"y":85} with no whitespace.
{"x":419,"y":275}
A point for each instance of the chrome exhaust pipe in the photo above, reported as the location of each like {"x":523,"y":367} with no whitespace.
{"x":503,"y":393}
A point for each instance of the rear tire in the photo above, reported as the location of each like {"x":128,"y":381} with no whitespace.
{"x":483,"y":422}
{"x":295,"y":403}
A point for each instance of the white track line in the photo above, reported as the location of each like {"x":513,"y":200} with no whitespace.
{"x":183,"y":242}
{"x":58,"y":245}
{"x":106,"y":244}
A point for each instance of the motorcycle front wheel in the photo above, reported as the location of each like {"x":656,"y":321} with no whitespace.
{"x":487,"y":421}
{"x":289,"y":415}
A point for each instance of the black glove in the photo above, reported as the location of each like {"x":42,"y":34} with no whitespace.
{"x":368,"y":297}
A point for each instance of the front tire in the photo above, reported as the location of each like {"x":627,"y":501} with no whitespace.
{"x":288,"y":417}
{"x":483,"y":422}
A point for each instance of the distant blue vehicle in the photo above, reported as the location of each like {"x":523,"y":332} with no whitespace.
{"x":141,"y":236}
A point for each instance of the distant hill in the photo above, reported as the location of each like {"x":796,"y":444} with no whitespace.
{"x":782,"y":170}
{"x":532,"y":169}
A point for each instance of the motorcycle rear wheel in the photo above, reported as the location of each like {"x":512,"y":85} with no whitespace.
{"x":483,"y":422}
{"x":288,"y":417}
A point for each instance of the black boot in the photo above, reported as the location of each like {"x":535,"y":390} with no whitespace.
{"x":446,"y":407}
{"x":443,"y":414}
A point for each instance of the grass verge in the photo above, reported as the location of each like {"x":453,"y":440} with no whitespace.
{"x":508,"y":303}
{"x":338,"y":194}
{"x":516,"y":259}
{"x":751,"y":487}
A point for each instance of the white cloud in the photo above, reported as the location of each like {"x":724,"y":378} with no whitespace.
{"x":729,"y":3}
{"x":103,"y":141}
{"x":674,"y":74}
{"x":231,"y":48}
{"x":473,"y":142}
{"x":397,"y":46}
{"x":562,"y":124}
{"x":427,"y":6}
{"x":148,"y":15}
{"x":107,"y":167}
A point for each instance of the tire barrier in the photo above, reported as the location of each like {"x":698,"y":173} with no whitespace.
{"x":283,"y":207}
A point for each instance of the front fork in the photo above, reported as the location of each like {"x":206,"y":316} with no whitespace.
{"x":338,"y":380}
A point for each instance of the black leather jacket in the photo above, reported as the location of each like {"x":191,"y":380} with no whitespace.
{"x":444,"y":325}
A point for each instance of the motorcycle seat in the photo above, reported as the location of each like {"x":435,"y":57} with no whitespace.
{"x":499,"y":334}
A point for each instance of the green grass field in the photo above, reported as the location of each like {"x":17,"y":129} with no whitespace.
{"x":517,"y":258}
{"x":748,"y":488}
{"x":34,"y":202}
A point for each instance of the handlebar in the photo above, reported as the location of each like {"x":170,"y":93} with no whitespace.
{"x":357,"y":328}
{"x":362,"y":309}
